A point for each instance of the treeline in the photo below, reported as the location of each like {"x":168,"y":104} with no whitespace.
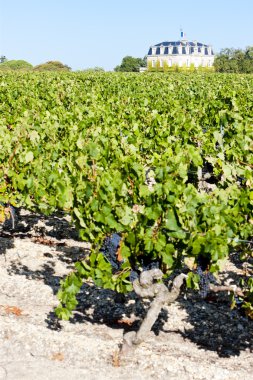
{"x":234,"y":61}
{"x":229,"y":60}
{"x":21,"y":65}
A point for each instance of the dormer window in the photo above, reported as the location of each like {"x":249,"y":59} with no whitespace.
{"x":195,"y":47}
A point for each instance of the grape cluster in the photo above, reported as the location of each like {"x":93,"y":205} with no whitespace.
{"x":205,"y":278}
{"x":109,"y":249}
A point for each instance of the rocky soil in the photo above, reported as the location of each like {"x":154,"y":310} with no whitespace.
{"x":200,"y":340}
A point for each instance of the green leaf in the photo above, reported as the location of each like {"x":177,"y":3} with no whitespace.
{"x":153,"y":212}
{"x":93,"y":150}
{"x":167,"y":255}
{"x":125,"y":251}
{"x":63,"y":313}
{"x":127,"y":216}
{"x":144,"y":191}
{"x":79,"y":216}
{"x":29,"y":157}
{"x":192,"y":280}
{"x":171,"y":221}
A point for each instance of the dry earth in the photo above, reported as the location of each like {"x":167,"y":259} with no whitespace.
{"x":202,"y":341}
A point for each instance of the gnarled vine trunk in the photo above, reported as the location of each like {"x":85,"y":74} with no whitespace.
{"x":149,"y":287}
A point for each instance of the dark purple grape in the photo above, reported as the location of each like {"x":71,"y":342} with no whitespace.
{"x":109,"y":249}
{"x":205,"y":278}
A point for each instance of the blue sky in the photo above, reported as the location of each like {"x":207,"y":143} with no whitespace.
{"x":89,"y":33}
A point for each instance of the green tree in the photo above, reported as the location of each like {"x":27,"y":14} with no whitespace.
{"x":249,"y":52}
{"x":248,"y":61}
{"x":15,"y":65}
{"x":95,"y":69}
{"x":3,"y":59}
{"x":52,"y":66}
{"x":234,"y":60}
{"x":129,"y":64}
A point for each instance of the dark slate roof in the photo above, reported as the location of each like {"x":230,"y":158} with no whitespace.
{"x":175,"y":44}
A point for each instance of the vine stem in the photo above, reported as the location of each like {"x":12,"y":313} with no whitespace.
{"x":226,"y":288}
{"x":148,"y":287}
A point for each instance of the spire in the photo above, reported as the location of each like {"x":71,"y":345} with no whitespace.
{"x":182,"y":35}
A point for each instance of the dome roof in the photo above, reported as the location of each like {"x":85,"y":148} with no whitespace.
{"x":171,"y":47}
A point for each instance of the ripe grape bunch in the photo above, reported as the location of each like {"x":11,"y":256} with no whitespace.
{"x":205,"y":278}
{"x":110,"y":249}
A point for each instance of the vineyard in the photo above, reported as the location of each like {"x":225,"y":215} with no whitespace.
{"x":154,"y":170}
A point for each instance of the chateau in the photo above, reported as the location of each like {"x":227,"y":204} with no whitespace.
{"x":182,"y":53}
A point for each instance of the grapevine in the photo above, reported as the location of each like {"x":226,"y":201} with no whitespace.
{"x":154,"y":170}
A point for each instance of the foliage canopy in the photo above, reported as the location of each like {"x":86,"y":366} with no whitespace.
{"x":131,"y":64}
{"x":52,"y":66}
{"x":83,"y":143}
{"x":15,"y":65}
{"x":234,"y":60}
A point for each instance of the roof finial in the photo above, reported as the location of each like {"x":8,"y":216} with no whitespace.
{"x":182,"y":34}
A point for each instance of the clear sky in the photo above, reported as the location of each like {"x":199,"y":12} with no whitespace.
{"x":88,"y":33}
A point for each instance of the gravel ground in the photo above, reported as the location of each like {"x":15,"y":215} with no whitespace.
{"x":200,"y":340}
